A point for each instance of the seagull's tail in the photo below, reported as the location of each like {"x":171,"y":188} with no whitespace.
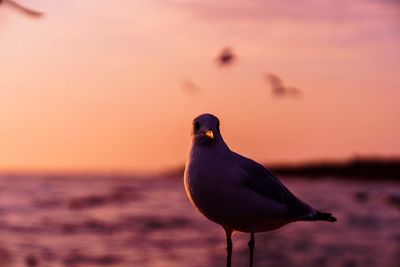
{"x":322,"y":216}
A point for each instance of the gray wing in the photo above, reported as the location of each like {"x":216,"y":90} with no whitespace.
{"x":25,"y":10}
{"x":262,"y":181}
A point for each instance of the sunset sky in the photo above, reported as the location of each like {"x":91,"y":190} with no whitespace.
{"x":97,"y":85}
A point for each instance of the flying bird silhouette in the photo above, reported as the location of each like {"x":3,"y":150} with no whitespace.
{"x":226,"y":57}
{"x":278,"y":89}
{"x":236,"y":192}
{"x":24,"y":10}
{"x":190,"y":87}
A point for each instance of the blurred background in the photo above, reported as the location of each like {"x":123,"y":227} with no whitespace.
{"x":96,"y":104}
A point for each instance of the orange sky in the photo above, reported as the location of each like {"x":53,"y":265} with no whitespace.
{"x":97,"y":85}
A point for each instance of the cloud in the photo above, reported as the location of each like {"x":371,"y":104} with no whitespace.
{"x":338,"y":21}
{"x":308,"y":10}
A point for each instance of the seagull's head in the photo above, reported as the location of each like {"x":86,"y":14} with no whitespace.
{"x":205,"y":131}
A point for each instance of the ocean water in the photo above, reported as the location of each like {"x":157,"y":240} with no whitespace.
{"x":136,"y":221}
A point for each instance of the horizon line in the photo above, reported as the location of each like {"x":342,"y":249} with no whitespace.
{"x":120,"y":171}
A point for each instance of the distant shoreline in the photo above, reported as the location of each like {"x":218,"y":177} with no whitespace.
{"x":355,"y":168}
{"x":359,"y":168}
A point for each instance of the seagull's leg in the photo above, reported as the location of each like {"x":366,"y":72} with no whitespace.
{"x":251,"y":246}
{"x":228,"y":233}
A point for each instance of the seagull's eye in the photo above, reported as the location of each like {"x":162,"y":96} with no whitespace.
{"x":196,"y":126}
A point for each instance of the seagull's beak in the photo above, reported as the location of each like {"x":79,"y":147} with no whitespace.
{"x":210,"y":134}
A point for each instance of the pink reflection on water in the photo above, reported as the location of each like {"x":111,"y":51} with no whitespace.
{"x":152,"y":224}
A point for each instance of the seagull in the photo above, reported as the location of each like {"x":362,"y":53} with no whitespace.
{"x":25,"y":10}
{"x":226,"y":57}
{"x":236,"y":192}
{"x":190,"y":87}
{"x":278,"y":88}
